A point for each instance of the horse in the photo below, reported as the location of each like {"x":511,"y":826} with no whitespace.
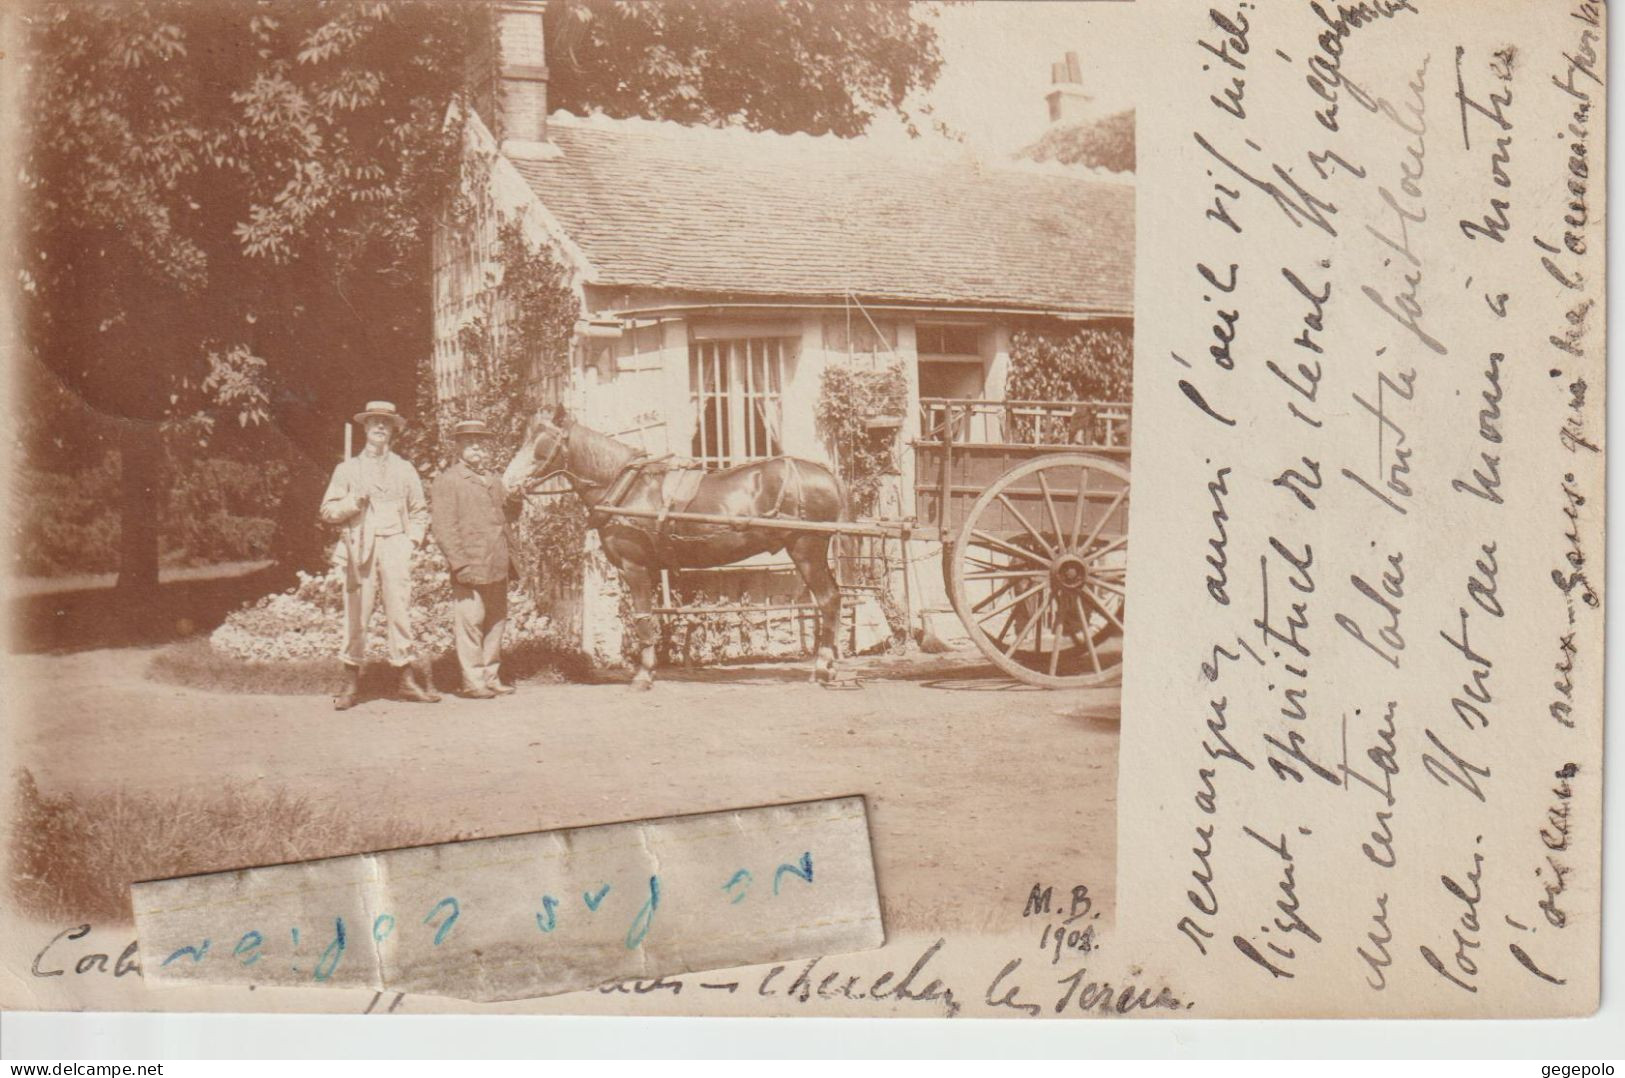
{"x":607,"y":475}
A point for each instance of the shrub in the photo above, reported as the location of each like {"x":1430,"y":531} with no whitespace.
{"x":68,"y":522}
{"x":214,"y":510}
{"x":1106,"y":143}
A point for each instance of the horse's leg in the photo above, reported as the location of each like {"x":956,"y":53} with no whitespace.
{"x":810,"y":552}
{"x":640,"y":587}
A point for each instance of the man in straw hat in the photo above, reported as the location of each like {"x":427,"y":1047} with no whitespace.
{"x":377,"y":499}
{"x":472,"y":523}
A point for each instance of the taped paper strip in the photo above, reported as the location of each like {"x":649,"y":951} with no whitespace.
{"x":529,"y":915}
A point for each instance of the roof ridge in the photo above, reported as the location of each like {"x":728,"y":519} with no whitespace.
{"x":1071,"y":170}
{"x":599,"y":120}
{"x":917,"y":151}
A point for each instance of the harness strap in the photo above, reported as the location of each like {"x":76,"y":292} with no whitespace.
{"x":618,"y":486}
{"x":792,"y":474}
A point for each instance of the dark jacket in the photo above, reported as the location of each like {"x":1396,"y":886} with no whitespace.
{"x":472,"y":517}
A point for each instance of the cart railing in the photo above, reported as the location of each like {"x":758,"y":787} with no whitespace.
{"x":1097,"y":424}
{"x":965,"y":445}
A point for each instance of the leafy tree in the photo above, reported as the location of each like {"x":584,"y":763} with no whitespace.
{"x":820,"y":66}
{"x":1106,"y":143}
{"x":218,"y":201}
{"x":226,"y":205}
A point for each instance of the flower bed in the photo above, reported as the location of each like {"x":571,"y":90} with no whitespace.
{"x":289,"y":642}
{"x":307,"y":621}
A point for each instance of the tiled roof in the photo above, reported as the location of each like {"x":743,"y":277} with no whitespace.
{"x":743,"y":213}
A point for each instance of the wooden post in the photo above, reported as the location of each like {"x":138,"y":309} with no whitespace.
{"x":908,"y":566}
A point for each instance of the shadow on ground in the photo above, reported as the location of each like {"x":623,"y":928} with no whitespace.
{"x":966,"y":672}
{"x":81,"y":619}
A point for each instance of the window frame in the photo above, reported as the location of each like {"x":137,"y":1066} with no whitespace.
{"x":726,"y":377}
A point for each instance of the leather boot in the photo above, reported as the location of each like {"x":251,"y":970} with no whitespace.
{"x":413,"y":689}
{"x":346,"y":699}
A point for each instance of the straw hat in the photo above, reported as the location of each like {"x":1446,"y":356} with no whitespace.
{"x":380,"y":410}
{"x":472,"y":428}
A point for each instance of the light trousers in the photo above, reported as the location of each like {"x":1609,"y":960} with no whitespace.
{"x":479,"y":620}
{"x":389,"y":574}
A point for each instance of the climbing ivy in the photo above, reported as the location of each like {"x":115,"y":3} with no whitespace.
{"x":518,"y":342}
{"x":848,"y":397}
{"x":1087,"y":364}
{"x":515,"y":346}
{"x":1091,"y":363}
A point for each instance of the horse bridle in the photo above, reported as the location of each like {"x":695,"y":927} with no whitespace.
{"x":547,"y":470}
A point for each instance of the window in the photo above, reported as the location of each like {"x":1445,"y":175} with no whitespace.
{"x":951,"y":361}
{"x":736,"y":389}
{"x":953,"y":366}
{"x":947,"y":340}
{"x":855,"y":335}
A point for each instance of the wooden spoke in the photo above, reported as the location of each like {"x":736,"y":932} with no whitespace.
{"x":1104,"y":517}
{"x":1082,"y":503}
{"x":993,"y":596}
{"x":1029,"y":593}
{"x":1008,"y":574}
{"x":1055,"y":649}
{"x":1009,"y":548}
{"x":1108,"y":615}
{"x":1049,"y":505}
{"x":1021,"y":635}
{"x":1009,"y":621}
{"x":1113,"y":588}
{"x":1028,"y":528}
{"x":1088,"y":637}
{"x":1116,"y":544}
{"x":1005,"y":571}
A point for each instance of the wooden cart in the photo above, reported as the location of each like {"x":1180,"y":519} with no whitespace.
{"x":1030,"y":502}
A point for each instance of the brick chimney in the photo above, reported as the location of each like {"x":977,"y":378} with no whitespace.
{"x":522,"y":77}
{"x":1068,"y":104}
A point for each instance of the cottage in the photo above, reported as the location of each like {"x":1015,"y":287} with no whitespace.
{"x":723,"y":271}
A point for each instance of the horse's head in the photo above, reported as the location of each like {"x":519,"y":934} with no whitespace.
{"x":543,"y":454}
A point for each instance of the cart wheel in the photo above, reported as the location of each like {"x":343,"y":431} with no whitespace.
{"x":1039,"y":570}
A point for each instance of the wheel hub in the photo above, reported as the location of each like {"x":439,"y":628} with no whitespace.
{"x":1069,"y":573}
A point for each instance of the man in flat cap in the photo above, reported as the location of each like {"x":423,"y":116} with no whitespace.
{"x":473,"y":514}
{"x":377,"y":499}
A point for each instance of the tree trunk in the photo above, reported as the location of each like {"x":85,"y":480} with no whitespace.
{"x":299,"y":541}
{"x":140,"y":500}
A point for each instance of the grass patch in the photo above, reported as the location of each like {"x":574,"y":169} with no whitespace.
{"x":74,"y":857}
{"x":196,"y":664}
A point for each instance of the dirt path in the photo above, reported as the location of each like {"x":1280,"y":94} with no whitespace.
{"x":976,"y":788}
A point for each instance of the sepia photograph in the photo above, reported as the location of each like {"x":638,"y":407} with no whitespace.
{"x":805,"y":508}
{"x":440,"y":421}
